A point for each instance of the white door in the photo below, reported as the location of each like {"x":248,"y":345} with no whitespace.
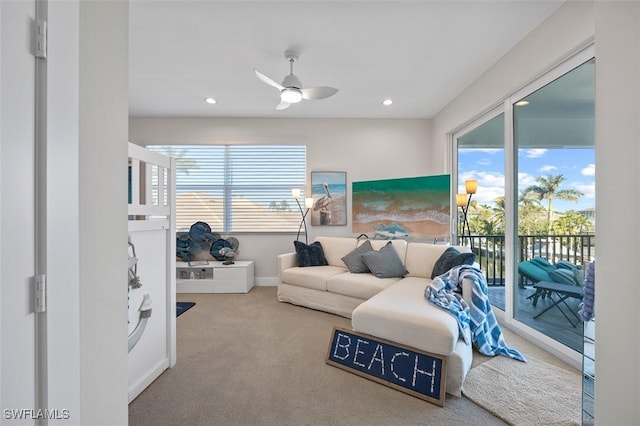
{"x":17,"y":207}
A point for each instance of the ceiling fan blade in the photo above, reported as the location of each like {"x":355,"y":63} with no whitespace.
{"x":318,"y":92}
{"x":267,"y":80}
{"x":283,"y":105}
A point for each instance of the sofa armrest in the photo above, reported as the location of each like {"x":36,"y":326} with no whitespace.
{"x":286,"y":261}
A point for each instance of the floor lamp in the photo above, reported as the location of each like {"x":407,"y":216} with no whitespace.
{"x":308,"y":203}
{"x":464,"y":201}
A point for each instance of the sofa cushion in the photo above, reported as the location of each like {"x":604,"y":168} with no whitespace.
{"x":335,"y":248}
{"x":385,"y":263}
{"x":533,"y":272}
{"x":315,"y":278}
{"x":310,"y":254}
{"x":451,"y":258}
{"x":564,"y":276}
{"x":362,"y":286}
{"x":421,"y":257}
{"x":354,"y":260}
{"x":402,"y":314}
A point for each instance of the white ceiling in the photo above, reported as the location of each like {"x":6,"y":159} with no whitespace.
{"x":422,"y":54}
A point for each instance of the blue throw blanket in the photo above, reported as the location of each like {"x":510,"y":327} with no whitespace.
{"x":445,"y":292}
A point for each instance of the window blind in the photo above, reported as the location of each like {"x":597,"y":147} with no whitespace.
{"x":237,"y":188}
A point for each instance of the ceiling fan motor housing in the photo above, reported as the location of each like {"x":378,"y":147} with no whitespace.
{"x":292,"y":81}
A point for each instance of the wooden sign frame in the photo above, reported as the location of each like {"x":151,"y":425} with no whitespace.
{"x":401,"y":367}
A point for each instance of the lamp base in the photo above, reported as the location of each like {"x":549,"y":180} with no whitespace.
{"x":228,"y":262}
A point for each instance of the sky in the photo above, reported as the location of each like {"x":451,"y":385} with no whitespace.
{"x":487,"y":165}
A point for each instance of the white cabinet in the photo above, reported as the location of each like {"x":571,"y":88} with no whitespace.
{"x":214,"y":277}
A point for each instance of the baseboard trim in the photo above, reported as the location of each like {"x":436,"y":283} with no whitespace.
{"x":265,"y":281}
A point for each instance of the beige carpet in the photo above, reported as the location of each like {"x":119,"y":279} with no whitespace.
{"x":532,"y":393}
{"x":247,"y":359}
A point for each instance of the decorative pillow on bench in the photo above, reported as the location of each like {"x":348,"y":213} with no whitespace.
{"x":385,"y":263}
{"x":354,"y":260}
{"x":310,"y":254}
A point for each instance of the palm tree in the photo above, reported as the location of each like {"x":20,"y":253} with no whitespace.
{"x":548,"y":189}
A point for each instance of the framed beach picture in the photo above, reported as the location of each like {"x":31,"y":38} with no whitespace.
{"x":329,"y":192}
{"x":415,"y":208}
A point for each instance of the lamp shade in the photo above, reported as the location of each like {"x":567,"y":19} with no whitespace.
{"x":461,"y":199}
{"x":295,"y":193}
{"x":308,"y":202}
{"x":471,"y":186}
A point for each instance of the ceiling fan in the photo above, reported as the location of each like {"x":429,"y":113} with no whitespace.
{"x":291,"y":91}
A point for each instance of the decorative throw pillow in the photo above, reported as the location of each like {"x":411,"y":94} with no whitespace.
{"x":310,"y":254}
{"x":450,"y":258}
{"x":385,"y":263}
{"x":354,"y":260}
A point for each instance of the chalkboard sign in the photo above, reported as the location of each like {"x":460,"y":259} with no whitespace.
{"x":409,"y":370}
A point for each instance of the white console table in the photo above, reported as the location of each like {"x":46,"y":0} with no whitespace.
{"x":214,"y":277}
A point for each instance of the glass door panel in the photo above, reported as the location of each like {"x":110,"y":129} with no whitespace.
{"x":553,"y":129}
{"x":481,"y":157}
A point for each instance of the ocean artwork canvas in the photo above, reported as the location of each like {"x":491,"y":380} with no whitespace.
{"x":417,"y":208}
{"x":329,"y":192}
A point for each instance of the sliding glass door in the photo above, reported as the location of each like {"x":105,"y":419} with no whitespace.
{"x":533,"y":158}
{"x":555,"y":165}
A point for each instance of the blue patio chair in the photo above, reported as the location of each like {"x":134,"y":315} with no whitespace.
{"x":562,"y":279}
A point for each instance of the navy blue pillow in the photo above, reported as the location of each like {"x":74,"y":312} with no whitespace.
{"x":451,"y":258}
{"x":310,"y":254}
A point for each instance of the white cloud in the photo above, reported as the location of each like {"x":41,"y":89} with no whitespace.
{"x":588,"y":189}
{"x":590,"y":170}
{"x":546,"y":169}
{"x":525,"y":180}
{"x":484,"y":162}
{"x":535,"y":153}
{"x":490,"y":186}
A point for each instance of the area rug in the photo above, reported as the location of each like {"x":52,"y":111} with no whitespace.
{"x":531,"y":393}
{"x":182,"y":307}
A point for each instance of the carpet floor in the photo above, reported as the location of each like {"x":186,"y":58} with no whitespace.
{"x":247,"y":359}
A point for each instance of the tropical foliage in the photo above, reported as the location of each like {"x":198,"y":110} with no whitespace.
{"x":533,"y":217}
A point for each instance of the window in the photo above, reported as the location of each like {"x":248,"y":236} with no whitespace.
{"x":237,"y":188}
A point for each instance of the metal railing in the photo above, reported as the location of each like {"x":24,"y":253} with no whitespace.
{"x":490,"y":251}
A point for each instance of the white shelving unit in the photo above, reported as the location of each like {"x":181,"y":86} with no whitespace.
{"x":215,"y":277}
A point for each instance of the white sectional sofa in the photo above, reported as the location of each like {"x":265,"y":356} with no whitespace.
{"x":391,"y":308}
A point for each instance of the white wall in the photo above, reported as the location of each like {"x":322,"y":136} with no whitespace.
{"x":63,"y":210}
{"x":365,"y":149}
{"x":103,"y":210}
{"x":570,"y":26}
{"x":17,"y":248}
{"x":615,"y":28}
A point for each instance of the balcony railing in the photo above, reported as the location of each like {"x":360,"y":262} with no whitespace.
{"x":490,"y":252}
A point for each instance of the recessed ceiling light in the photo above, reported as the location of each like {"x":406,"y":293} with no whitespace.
{"x":210,"y":101}
{"x":522,"y":103}
{"x":387,"y":102}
